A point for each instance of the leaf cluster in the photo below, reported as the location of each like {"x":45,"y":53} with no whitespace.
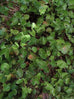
{"x":36,"y":49}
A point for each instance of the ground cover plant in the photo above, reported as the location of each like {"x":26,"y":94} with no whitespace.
{"x":36,"y":49}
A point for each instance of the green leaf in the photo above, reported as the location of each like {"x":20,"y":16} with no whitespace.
{"x":43,"y":40}
{"x":25,"y":91}
{"x":42,"y":9}
{"x":14,"y":21}
{"x":15,"y":32}
{"x":69,"y":90}
{"x":58,"y":88}
{"x":65,"y":48}
{"x":23,"y":65}
{"x":36,"y":80}
{"x":8,"y":77}
{"x":62,"y":46}
{"x":42,"y":53}
{"x":20,"y":72}
{"x":2,"y":31}
{"x":23,"y":8}
{"x":71,"y":71}
{"x":71,"y":2}
{"x":5,"y":66}
{"x":7,"y":53}
{"x":61,"y":64}
{"x":48,"y":52}
{"x":42,"y":65}
{"x":26,"y":16}
{"x":67,"y":80}
{"x":19,"y":81}
{"x":6,"y":87}
{"x":34,"y":49}
{"x":46,"y":1}
{"x":60,"y":82}
{"x":50,"y":88}
{"x":33,"y":33}
{"x":33,"y":25}
{"x":12,"y":93}
{"x":27,"y":37}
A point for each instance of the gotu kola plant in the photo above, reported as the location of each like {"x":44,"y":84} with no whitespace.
{"x":36,"y":49}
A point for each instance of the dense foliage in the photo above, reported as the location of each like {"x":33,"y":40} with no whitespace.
{"x":36,"y":49}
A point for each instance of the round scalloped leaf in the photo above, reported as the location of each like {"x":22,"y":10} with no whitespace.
{"x":62,"y":64}
{"x":5,"y":66}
